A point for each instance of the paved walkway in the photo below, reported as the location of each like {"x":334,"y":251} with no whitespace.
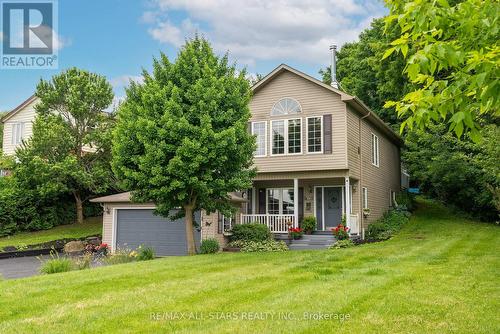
{"x":18,"y":267}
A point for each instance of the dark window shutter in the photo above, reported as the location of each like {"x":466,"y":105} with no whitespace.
{"x":249,"y":127}
{"x":301,"y":203}
{"x":262,"y":200}
{"x":327,"y":134}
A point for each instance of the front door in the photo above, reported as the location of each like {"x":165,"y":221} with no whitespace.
{"x":332,"y":206}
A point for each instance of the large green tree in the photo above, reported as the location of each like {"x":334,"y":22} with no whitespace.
{"x":455,"y":63}
{"x":361,"y":72}
{"x":181,"y":140}
{"x":460,"y":172}
{"x":70,"y":150}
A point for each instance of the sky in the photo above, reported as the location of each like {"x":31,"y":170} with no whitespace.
{"x":119,"y":38}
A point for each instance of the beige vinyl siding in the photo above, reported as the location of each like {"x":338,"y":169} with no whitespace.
{"x":26,"y":115}
{"x":379,"y":181}
{"x":300,"y":175}
{"x":315,"y":101}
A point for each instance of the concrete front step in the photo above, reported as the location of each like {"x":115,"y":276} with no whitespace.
{"x":313,"y":241}
{"x":307,"y":247}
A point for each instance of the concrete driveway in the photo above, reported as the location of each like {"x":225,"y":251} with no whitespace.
{"x":18,"y":267}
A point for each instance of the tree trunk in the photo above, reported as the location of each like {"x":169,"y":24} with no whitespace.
{"x":79,"y":208}
{"x":191,"y":248}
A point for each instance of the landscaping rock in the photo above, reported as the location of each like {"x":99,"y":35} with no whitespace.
{"x":73,"y":247}
{"x":93,"y":241}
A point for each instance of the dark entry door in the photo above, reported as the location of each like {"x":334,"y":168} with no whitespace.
{"x":332,"y":206}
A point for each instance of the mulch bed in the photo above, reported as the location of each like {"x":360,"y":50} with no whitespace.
{"x":39,"y":249}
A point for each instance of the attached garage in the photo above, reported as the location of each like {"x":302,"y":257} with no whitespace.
{"x":138,"y":226}
{"x":127,"y":225}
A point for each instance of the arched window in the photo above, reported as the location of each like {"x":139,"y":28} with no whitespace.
{"x":286,"y":106}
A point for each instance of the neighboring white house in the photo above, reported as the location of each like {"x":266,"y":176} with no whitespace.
{"x":18,"y":125}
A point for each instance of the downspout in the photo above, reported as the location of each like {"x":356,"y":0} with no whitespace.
{"x":361,"y":215}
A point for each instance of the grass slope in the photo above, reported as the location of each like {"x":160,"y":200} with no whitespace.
{"x":91,"y":226}
{"x":439,"y":275}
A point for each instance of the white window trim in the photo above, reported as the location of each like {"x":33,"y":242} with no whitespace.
{"x":301,"y":136}
{"x":281,"y":115}
{"x":375,"y":150}
{"x":365,"y":197}
{"x":285,"y":135}
{"x":265,"y":137}
{"x":18,"y":130}
{"x":280,"y":201}
{"x":307,"y":134}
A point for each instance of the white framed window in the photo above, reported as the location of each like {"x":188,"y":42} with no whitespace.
{"x":280,"y":201}
{"x":365,"y":198}
{"x":375,"y":151}
{"x":259,"y":129}
{"x":278,"y":137}
{"x":294,"y":136}
{"x":314,"y":134}
{"x":286,"y":106}
{"x":17,"y":133}
{"x":286,"y":136}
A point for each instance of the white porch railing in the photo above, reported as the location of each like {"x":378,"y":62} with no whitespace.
{"x":276,"y":223}
{"x":353,"y":224}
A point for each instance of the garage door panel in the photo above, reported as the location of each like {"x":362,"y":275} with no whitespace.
{"x":137,"y":227}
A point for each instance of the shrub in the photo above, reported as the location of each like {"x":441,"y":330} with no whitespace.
{"x":405,"y":201}
{"x":390,"y":223}
{"x":209,"y":246}
{"x":251,"y":232}
{"x":121,"y":256}
{"x":342,"y":244}
{"x":308,"y":224}
{"x":378,"y":231}
{"x":341,"y":232}
{"x":56,"y":265}
{"x":84,"y":261}
{"x":145,"y":253}
{"x":259,"y":246}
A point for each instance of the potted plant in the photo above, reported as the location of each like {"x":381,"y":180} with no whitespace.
{"x":366,"y":212}
{"x":308,"y":224}
{"x":341,"y":232}
{"x":296,"y":233}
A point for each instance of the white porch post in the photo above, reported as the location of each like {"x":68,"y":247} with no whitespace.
{"x":296,"y":202}
{"x":347,"y":190}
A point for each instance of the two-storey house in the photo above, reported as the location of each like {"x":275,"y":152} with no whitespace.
{"x":320,"y":152}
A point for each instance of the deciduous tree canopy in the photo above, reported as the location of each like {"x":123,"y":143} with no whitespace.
{"x":181,"y":138}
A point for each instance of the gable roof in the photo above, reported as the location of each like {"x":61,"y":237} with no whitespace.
{"x":351,"y":100}
{"x":18,"y":108}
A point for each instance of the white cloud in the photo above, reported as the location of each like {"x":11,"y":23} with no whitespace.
{"x":124,"y":80}
{"x":255,"y":30}
{"x":166,"y":32}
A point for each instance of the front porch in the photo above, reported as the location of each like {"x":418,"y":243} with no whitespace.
{"x":283,"y":203}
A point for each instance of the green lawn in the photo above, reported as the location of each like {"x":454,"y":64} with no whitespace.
{"x":91,"y":226}
{"x":439,"y":275}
